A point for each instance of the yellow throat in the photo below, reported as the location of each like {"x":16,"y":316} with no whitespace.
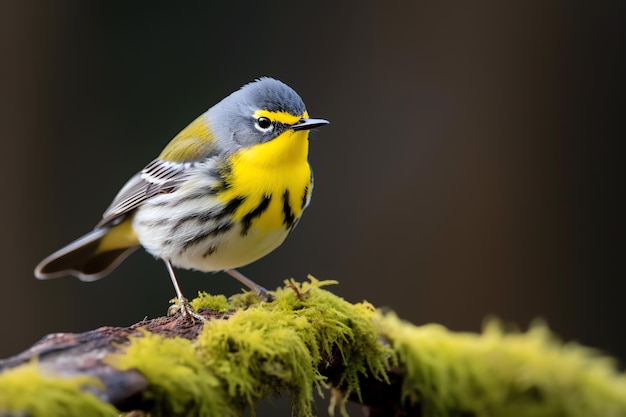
{"x":277,"y":170}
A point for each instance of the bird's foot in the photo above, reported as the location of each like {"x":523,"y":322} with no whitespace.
{"x":184,"y":308}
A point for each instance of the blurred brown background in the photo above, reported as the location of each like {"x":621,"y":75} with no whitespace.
{"x":471,"y":167}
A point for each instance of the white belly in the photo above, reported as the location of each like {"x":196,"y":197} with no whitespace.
{"x":231,"y":251}
{"x":191,"y":245}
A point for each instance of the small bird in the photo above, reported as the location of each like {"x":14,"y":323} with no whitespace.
{"x":225,"y":191}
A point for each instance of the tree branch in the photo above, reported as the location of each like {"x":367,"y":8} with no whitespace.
{"x":306,"y":338}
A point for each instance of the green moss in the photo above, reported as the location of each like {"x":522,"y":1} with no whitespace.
{"x":259,"y":352}
{"x":216,"y":303}
{"x":503,"y":374}
{"x":179,"y":383}
{"x":278,"y":346}
{"x":265,"y":348}
{"x":30,"y":390}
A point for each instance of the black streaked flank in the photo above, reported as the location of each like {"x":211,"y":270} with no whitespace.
{"x":163,"y":204}
{"x":218,"y":188}
{"x":202,"y":217}
{"x":209,"y":215}
{"x":217,"y":230}
{"x":212,"y":249}
{"x":199,"y":193}
{"x":224,"y":172}
{"x":246,"y":221}
{"x":305,"y":196}
{"x":230,"y":207}
{"x":287,"y":211}
{"x":154,"y":223}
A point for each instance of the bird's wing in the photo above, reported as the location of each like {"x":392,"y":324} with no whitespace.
{"x":163,"y":175}
{"x":157,"y":177}
{"x":194,"y":142}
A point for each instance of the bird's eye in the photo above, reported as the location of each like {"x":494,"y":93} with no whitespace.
{"x":264,"y":124}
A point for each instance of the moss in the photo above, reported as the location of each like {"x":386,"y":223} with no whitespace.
{"x":503,"y":373}
{"x":179,"y":383}
{"x":265,"y":348}
{"x":259,"y":352}
{"x":217,"y":303}
{"x":30,"y":390}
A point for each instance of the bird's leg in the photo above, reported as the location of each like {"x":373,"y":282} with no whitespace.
{"x":261,"y":292}
{"x":183,"y":304}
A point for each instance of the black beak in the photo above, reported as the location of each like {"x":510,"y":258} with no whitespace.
{"x":306,"y":124}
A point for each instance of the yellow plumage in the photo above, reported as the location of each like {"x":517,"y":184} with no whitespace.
{"x":121,"y":236}
{"x":271,"y":169}
{"x":191,"y":143}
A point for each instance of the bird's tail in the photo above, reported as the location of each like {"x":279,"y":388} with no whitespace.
{"x":92,"y":256}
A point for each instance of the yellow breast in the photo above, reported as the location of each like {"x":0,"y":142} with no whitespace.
{"x":272,"y":179}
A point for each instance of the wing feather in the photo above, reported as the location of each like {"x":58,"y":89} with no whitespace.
{"x":157,"y":177}
{"x":194,"y":143}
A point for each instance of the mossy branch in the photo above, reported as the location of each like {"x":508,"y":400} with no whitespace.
{"x":306,"y":339}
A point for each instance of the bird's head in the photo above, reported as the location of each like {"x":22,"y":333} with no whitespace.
{"x":262,"y":112}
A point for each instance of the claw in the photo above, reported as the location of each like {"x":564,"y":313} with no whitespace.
{"x":184,"y":308}
{"x":183,"y":305}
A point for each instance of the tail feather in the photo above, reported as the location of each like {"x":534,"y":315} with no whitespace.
{"x":84,"y":258}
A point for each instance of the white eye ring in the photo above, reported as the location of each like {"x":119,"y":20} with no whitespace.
{"x":264,"y":124}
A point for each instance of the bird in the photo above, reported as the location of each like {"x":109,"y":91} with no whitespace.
{"x":225,"y":191}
